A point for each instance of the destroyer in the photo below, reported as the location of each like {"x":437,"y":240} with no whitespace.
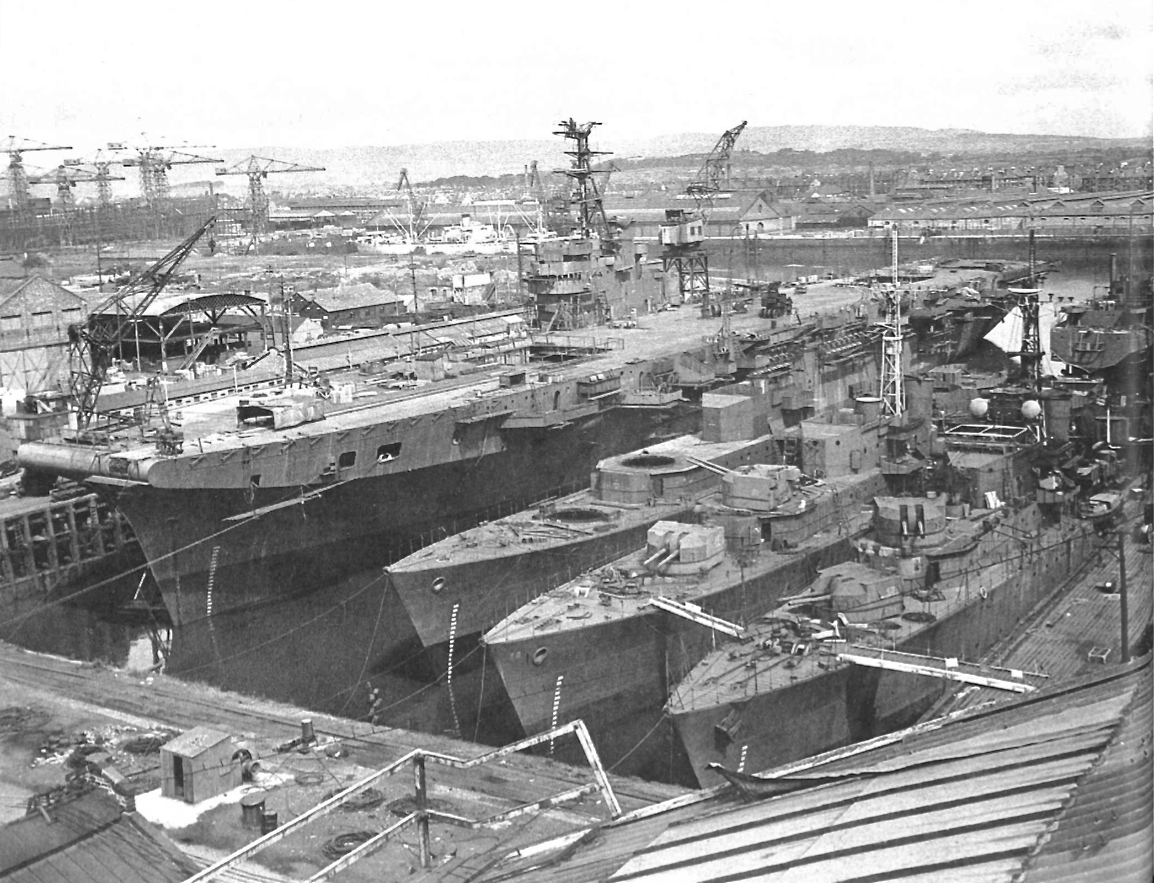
{"x":608,"y":646}
{"x":946,"y":581}
{"x":473,"y":579}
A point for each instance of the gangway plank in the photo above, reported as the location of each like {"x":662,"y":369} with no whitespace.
{"x":695,"y":614}
{"x":946,"y":668}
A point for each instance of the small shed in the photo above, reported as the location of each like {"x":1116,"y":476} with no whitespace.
{"x":198,"y":765}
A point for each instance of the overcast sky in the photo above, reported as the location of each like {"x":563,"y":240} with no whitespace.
{"x":321,"y":74}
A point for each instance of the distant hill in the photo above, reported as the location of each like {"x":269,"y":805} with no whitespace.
{"x":377,"y":169}
{"x":766,"y":139}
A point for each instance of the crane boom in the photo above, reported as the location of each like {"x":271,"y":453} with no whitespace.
{"x":92,"y":344}
{"x":715,"y":170}
{"x":684,"y":231}
{"x":17,"y":177}
{"x":257,"y":168}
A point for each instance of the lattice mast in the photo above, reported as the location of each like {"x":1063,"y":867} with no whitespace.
{"x":257,"y":168}
{"x":584,"y":193}
{"x":1031,"y":353}
{"x":893,"y":380}
{"x":17,"y":176}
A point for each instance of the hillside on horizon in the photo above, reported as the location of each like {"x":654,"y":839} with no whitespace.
{"x":377,"y":169}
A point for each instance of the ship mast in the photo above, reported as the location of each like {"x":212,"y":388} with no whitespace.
{"x":1031,"y":350}
{"x":585,"y":194}
{"x":893,"y":382}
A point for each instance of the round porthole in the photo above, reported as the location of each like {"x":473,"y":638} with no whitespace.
{"x":539,"y":656}
{"x":438,"y":585}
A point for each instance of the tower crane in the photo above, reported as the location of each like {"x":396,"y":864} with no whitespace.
{"x":684,"y":231}
{"x":100,"y":169}
{"x":67,"y":175}
{"x":154,"y":164}
{"x":257,"y":168}
{"x":92,"y":344}
{"x":17,"y":178}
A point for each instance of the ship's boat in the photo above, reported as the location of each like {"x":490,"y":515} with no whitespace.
{"x":1101,"y":507}
{"x":933,"y":585}
{"x":471,"y":580}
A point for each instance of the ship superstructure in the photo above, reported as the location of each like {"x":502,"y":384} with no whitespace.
{"x":609,"y":645}
{"x":473,"y":579}
{"x":935,"y":583}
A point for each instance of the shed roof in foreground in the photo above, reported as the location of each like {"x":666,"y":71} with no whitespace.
{"x":1054,"y":787}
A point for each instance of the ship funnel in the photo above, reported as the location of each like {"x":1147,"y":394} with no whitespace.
{"x":869,"y":408}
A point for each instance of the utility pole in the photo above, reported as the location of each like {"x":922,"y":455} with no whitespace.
{"x":286,"y":296}
{"x":520,"y":269}
{"x":413,"y":279}
{"x":1123,"y":603}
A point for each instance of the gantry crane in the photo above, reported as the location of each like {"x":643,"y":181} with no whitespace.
{"x":93,"y":344}
{"x":257,"y":168}
{"x":684,"y":230}
{"x":154,"y":164}
{"x":100,"y":169}
{"x":17,"y":177}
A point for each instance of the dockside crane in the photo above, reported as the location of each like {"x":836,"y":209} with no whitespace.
{"x":257,"y":168}
{"x":93,"y":344}
{"x":154,"y":164}
{"x":549,"y":208}
{"x":414,"y":226}
{"x":101,"y":170}
{"x":683,"y":231}
{"x":17,"y":177}
{"x":66,"y":176}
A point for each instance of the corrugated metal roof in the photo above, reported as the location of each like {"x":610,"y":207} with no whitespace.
{"x":1056,"y":785}
{"x":88,"y":841}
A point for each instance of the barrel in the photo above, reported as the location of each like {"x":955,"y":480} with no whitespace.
{"x":252,"y":809}
{"x":267,"y":822}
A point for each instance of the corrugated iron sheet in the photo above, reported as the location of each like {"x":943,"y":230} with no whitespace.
{"x":88,"y":841}
{"x":1053,"y":787}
